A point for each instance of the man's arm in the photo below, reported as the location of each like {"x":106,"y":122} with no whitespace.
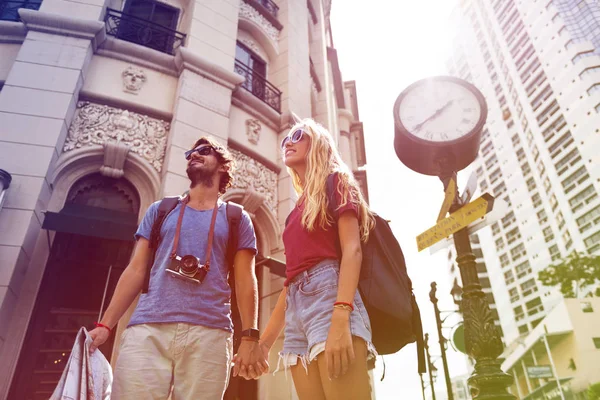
{"x":250,"y":361}
{"x":246,"y":288}
{"x":129,"y":285}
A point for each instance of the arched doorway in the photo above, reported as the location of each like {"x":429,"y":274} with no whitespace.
{"x":92,"y":246}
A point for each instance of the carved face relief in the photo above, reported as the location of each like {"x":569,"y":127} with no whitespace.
{"x":133,"y":79}
{"x":253,"y":130}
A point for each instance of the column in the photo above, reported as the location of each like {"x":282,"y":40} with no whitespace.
{"x":37,"y":104}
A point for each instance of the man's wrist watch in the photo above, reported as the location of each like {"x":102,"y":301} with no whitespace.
{"x":251,"y":333}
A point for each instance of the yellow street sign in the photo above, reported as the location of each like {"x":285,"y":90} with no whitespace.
{"x":448,"y":199}
{"x":456,"y":221}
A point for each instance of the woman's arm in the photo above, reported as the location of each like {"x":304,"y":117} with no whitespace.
{"x":338,"y":348}
{"x":276,"y":322}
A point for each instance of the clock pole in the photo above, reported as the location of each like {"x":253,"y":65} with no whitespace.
{"x":482,"y":338}
{"x":449,"y":145}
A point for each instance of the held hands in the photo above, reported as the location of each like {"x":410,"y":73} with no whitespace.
{"x":339,"y":350}
{"x":251,"y":361}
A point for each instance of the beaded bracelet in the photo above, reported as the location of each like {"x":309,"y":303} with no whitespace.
{"x":99,"y":325}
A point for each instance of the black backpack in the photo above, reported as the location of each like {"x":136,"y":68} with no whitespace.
{"x":234,"y":214}
{"x":386,"y":289}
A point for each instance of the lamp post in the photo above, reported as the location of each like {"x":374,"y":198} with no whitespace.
{"x":430,"y":367}
{"x":438,"y":123}
{"x":442,"y":340}
{"x":482,"y":338}
{"x":456,"y":293}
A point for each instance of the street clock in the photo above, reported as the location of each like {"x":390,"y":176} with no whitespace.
{"x":438,"y":123}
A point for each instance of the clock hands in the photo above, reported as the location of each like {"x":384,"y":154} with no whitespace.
{"x":434,"y":115}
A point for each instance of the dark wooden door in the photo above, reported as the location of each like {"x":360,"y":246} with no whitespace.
{"x":79,"y":280}
{"x":80,"y":277}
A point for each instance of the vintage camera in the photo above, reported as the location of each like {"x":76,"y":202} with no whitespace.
{"x":187,"y":267}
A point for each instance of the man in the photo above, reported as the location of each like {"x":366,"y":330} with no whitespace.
{"x":179,"y":338}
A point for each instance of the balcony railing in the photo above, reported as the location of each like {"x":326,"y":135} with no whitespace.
{"x":9,"y":10}
{"x":146,"y":33}
{"x":259,"y":86}
{"x":270,"y":6}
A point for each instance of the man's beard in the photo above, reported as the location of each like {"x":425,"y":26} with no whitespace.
{"x":201,"y":176}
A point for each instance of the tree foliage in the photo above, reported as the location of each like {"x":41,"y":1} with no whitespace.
{"x":573,"y":273}
{"x":594,"y":392}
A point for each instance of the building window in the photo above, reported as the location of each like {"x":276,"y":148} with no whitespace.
{"x":592,"y":243}
{"x":9,"y":9}
{"x":254,"y":69}
{"x":594,"y":88}
{"x":584,"y":54}
{"x":583,"y":198}
{"x":589,"y":219}
{"x":554,"y":252}
{"x":148,"y":23}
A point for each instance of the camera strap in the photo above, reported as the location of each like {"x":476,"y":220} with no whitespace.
{"x":210,"y":232}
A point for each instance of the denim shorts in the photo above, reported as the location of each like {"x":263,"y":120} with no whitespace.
{"x":309,"y":308}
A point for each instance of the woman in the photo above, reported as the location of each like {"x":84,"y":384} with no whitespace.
{"x":327,"y":329}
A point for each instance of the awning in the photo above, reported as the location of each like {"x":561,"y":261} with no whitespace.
{"x":92,"y":221}
{"x":277,"y":267}
{"x":541,"y":392}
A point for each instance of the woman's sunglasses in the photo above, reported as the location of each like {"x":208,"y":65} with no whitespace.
{"x":294,"y":137}
{"x":203,"y":151}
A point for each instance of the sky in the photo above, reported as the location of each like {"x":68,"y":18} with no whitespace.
{"x":385,"y":45}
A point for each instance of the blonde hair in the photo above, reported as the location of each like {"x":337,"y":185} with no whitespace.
{"x":322,"y":160}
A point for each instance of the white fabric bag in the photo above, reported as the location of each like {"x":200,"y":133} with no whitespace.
{"x":86,"y":377}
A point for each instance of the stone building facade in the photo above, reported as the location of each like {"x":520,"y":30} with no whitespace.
{"x":98,"y":101}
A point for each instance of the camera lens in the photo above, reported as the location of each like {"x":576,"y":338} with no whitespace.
{"x":189,"y":264}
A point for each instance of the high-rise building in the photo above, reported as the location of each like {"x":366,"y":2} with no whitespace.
{"x":538,"y":65}
{"x":98,"y":102}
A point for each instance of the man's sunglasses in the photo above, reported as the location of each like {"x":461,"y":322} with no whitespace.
{"x":294,"y":137}
{"x":203,"y":151}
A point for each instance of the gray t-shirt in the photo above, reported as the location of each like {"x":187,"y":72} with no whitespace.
{"x":172,"y":299}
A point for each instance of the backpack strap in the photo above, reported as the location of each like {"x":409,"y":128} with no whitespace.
{"x":165,"y":207}
{"x":234,"y":216}
{"x":331,"y":198}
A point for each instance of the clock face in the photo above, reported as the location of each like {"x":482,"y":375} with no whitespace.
{"x":439,"y":111}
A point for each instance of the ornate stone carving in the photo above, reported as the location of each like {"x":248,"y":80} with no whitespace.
{"x":95,"y":124}
{"x":247,"y":11}
{"x":115,"y":154}
{"x":133,"y":79}
{"x":253,"y":46}
{"x":253,"y":130}
{"x":251,"y":174}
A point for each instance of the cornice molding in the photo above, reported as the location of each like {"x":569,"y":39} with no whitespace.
{"x":256,"y":107}
{"x":85,"y":95}
{"x":234,"y":144}
{"x":12,"y":32}
{"x":139,"y":55}
{"x":186,"y":59}
{"x":345,"y":113}
{"x":56,"y":24}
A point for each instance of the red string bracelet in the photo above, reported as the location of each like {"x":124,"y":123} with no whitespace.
{"x":344,"y":304}
{"x":99,"y":325}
